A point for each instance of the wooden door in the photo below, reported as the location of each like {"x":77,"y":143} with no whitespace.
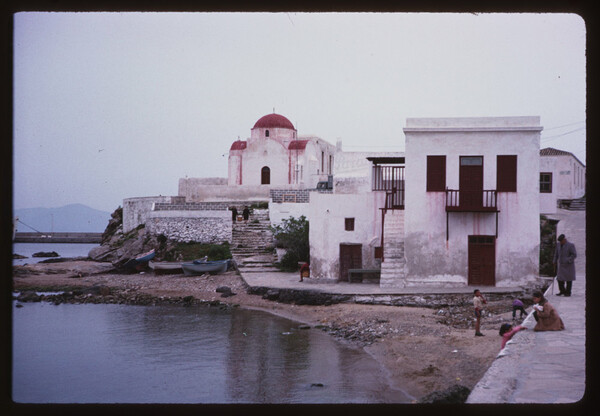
{"x":471,"y":182}
{"x":482,"y":260}
{"x":265,"y":176}
{"x":350,"y":258}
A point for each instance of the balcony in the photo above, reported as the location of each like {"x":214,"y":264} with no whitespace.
{"x":391,"y":180}
{"x":471,"y":201}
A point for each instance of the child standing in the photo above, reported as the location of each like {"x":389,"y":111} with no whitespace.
{"x":478,"y":302}
{"x":518,"y":306}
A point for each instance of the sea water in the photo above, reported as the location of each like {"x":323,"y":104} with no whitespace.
{"x":90,"y":353}
{"x":62,"y":249}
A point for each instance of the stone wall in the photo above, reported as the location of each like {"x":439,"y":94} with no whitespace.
{"x":201,"y":229}
{"x":300,"y":196}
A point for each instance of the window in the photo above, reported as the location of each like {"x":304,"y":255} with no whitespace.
{"x":471,"y":160}
{"x":266,"y":133}
{"x":322,"y":161}
{"x":436,"y":173}
{"x":349,"y":224}
{"x":546,"y":182}
{"x":506,"y":173}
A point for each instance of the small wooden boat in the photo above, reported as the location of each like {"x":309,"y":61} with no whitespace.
{"x":165,"y":266}
{"x":200,"y":267}
{"x":146,"y":256}
{"x":138,"y":262}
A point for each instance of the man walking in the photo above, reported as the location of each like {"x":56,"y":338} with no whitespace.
{"x":564,"y":264}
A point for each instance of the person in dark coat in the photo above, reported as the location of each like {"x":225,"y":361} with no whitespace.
{"x":246,"y":213}
{"x":233,"y":214}
{"x":564,"y":263}
{"x":546,"y":316}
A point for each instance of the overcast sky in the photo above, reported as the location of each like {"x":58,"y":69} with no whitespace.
{"x":109,"y":106}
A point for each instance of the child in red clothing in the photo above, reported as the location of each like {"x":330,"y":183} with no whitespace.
{"x":507,"y":331}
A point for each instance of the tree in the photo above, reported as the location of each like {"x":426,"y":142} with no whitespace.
{"x":292,"y":235}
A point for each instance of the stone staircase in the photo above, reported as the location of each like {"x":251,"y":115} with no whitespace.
{"x":392,"y":267}
{"x":252,"y":244}
{"x":572,"y":204}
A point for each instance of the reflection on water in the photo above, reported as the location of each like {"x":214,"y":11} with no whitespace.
{"x":171,"y":354}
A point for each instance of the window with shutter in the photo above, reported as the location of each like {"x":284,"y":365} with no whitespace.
{"x":436,"y":173}
{"x":506,"y":173}
{"x":546,"y":182}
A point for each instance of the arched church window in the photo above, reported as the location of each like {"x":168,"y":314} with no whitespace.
{"x":266,"y":133}
{"x":265,"y":176}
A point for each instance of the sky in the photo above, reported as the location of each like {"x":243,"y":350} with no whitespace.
{"x":109,"y":106}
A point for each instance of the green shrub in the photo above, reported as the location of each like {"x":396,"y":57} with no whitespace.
{"x":289,"y":262}
{"x":292,"y":235}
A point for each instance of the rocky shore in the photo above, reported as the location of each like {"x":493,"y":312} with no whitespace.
{"x":430,"y":353}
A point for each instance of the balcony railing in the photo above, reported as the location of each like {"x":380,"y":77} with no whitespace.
{"x":391,"y":180}
{"x":471,"y":201}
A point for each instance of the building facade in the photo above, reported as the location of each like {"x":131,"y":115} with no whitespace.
{"x":274,"y":155}
{"x":562,"y":176}
{"x":472,"y":201}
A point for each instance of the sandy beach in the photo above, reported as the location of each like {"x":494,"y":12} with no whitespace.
{"x":421,"y":350}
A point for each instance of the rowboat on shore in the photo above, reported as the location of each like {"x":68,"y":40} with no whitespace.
{"x":165,"y":266}
{"x":139,"y":261}
{"x":201,"y":267}
{"x":149,"y":255}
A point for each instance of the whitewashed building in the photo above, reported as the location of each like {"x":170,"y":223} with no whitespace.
{"x":275,"y":155}
{"x":345,"y":230}
{"x":472,"y":201}
{"x":562,"y":177}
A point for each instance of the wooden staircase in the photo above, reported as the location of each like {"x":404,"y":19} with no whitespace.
{"x":392,"y":267}
{"x":252,"y":244}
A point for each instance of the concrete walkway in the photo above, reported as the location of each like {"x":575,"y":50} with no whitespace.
{"x":545,"y":367}
{"x":282,"y":280}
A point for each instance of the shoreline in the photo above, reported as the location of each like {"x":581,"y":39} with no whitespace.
{"x":417,"y":348}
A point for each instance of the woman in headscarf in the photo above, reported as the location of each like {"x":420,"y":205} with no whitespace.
{"x":546,"y":316}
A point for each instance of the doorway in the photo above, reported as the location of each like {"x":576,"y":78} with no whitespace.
{"x":265,"y":176}
{"x":482,"y":260}
{"x":350,"y":258}
{"x":470,"y":182}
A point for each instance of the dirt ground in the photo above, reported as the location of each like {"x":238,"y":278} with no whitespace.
{"x":421,"y":350}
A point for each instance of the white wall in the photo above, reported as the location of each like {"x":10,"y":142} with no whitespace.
{"x":135,"y":210}
{"x":327,"y":215}
{"x":280,"y":211}
{"x":568,"y":181}
{"x":429,"y":257}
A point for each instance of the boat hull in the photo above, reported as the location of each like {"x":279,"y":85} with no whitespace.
{"x":216,"y":267}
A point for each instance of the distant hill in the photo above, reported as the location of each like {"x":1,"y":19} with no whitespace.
{"x":70,"y":218}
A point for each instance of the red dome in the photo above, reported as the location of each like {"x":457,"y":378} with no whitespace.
{"x":273,"y":121}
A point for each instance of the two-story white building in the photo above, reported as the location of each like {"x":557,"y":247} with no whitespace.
{"x":459,"y":207}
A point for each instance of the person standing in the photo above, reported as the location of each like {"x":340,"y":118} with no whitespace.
{"x":478,"y":302}
{"x":234,"y":214}
{"x":246,"y":214}
{"x":564,"y":264}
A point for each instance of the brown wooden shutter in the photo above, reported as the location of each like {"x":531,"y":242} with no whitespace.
{"x":506,"y":173}
{"x":436,"y":173}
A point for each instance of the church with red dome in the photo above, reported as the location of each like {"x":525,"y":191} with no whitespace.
{"x":275,"y":155}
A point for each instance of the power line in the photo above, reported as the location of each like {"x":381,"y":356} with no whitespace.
{"x":564,"y":125}
{"x":563,"y":134}
{"x":38,"y":231}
